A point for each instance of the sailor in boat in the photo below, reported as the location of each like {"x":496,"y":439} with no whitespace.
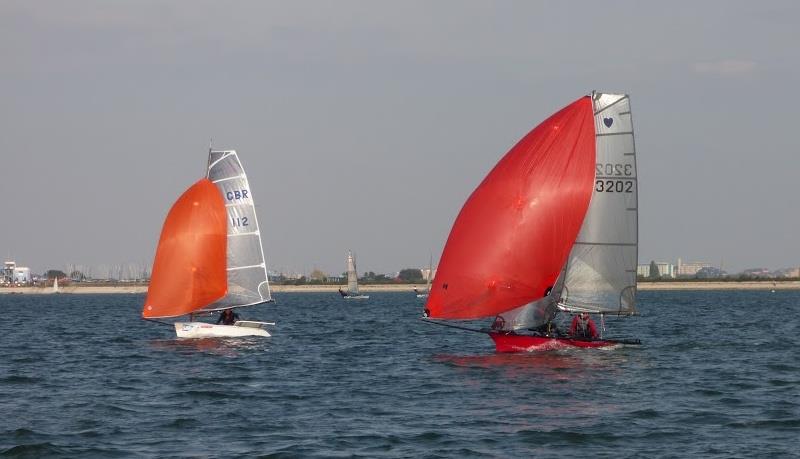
{"x":228,"y":317}
{"x":583,"y":327}
{"x":497,"y":325}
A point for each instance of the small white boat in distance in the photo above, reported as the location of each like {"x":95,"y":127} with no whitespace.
{"x":352,"y":292}
{"x":210,"y":256}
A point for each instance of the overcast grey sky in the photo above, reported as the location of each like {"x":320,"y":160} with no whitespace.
{"x":366,"y":124}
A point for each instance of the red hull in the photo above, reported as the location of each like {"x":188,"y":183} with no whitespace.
{"x":526,"y":343}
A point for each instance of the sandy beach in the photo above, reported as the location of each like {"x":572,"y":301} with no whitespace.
{"x":133,"y":289}
{"x":732,"y":285}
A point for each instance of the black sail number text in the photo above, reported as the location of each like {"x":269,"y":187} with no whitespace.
{"x":613,"y":186}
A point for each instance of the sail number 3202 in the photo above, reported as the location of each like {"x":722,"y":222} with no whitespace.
{"x":613,"y":186}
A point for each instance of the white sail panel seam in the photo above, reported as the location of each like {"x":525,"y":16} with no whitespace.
{"x":254,"y":233}
{"x":229,"y":178}
{"x":227,"y":154}
{"x":615,"y":177}
{"x":237,"y":268}
{"x":605,"y":134}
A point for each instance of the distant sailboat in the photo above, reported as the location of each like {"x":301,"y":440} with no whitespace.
{"x":55,"y":285}
{"x":352,"y":280}
{"x":210,"y":256}
{"x":553,"y":227}
{"x":428,"y":282}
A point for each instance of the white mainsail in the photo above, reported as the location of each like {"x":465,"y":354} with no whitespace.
{"x":352,"y":275}
{"x":601,"y":268}
{"x":246,"y":266}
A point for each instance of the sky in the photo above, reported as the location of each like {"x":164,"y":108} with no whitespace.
{"x":365,"y":125}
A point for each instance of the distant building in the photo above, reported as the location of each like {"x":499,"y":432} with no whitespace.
{"x":691,"y":269}
{"x":788,"y":272}
{"x":22,"y":275}
{"x":7,"y":275}
{"x":711,"y":273}
{"x":757,"y":273}
{"x":13,"y":274}
{"x":665,"y":270}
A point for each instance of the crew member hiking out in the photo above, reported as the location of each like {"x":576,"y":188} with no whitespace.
{"x":583,"y":327}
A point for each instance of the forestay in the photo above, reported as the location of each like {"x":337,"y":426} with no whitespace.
{"x":601,"y":268}
{"x":246,"y":267}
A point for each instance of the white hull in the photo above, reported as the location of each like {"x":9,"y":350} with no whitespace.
{"x":356,"y":297}
{"x":206,"y":330}
{"x":422,"y":295}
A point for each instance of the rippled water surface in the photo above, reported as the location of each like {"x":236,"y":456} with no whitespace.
{"x":82,"y":376}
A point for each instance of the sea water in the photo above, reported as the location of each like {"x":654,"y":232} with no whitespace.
{"x":718,"y":375}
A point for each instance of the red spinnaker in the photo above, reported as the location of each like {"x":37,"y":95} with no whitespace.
{"x":189,"y":271}
{"x":514,"y":233}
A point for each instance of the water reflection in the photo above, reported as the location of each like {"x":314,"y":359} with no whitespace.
{"x":227,"y":347}
{"x":538,"y":391}
{"x":553,"y":365}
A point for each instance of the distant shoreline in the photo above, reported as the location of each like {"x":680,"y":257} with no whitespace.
{"x":137,"y":289}
{"x":730,"y":285}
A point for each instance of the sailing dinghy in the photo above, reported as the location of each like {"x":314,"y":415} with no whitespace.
{"x":552,"y":228}
{"x":352,"y":280}
{"x":210,"y":256}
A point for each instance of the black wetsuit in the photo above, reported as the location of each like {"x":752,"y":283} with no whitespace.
{"x":548,"y":329}
{"x":228,"y":319}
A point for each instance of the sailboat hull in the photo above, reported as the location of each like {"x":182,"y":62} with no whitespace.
{"x":512,"y":342}
{"x":206,"y":330}
{"x":356,"y":297}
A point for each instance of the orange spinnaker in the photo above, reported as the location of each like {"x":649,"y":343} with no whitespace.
{"x":189,"y":271}
{"x":515,"y":231}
